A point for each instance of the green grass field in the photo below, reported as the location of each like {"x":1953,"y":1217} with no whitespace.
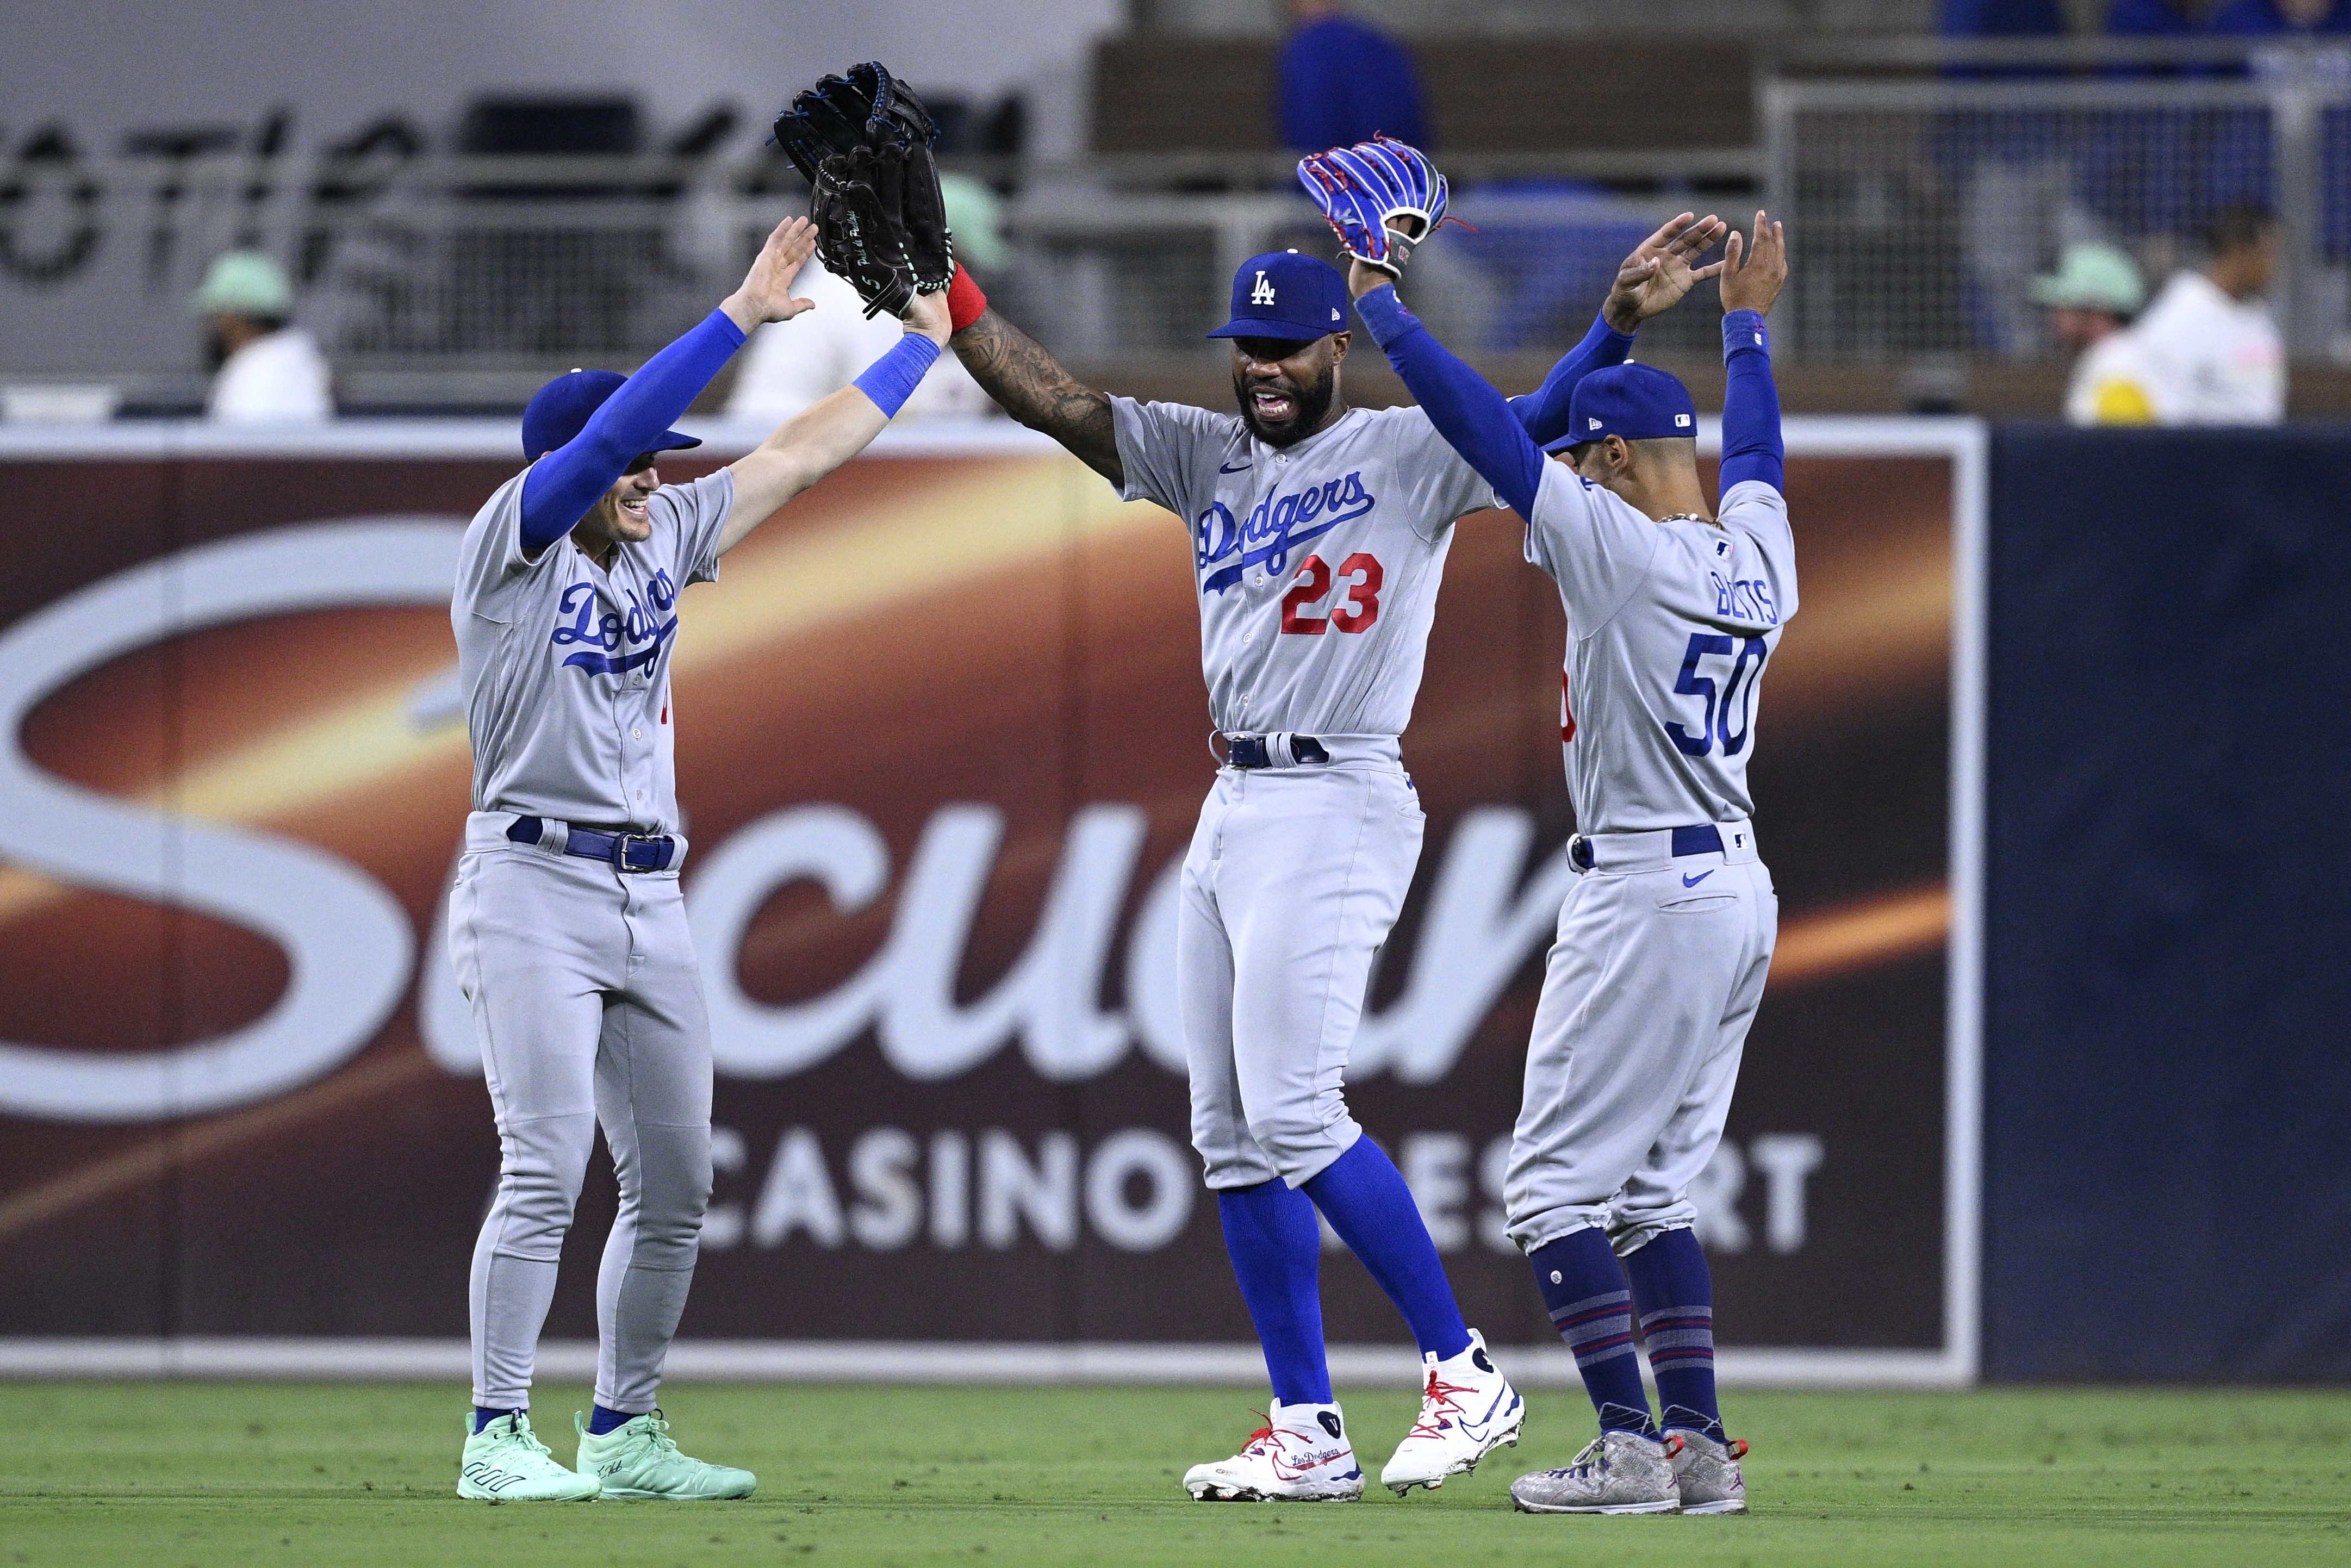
{"x":158,"y":1475}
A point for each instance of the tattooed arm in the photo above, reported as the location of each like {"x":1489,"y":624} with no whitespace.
{"x":1031,"y":386}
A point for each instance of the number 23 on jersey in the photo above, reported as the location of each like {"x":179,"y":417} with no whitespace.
{"x":1311,"y":607}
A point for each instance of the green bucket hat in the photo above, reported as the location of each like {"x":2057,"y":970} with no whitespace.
{"x":243,"y":283}
{"x":2092,"y":277}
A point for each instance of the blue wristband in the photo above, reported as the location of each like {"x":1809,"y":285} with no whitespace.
{"x":1743,"y":331}
{"x":1384,"y":314}
{"x":891,"y":379}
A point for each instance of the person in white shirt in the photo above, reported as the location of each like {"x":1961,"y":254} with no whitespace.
{"x":2091,"y":298}
{"x":2210,"y":353}
{"x":266,"y":372}
{"x":784,"y":373}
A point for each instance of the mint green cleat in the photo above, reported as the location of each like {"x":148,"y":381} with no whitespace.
{"x":505,"y":1462}
{"x":636,"y":1461}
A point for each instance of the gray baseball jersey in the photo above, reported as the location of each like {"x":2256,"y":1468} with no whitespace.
{"x":1317,"y":565}
{"x":1669,"y":626}
{"x":564,"y":664}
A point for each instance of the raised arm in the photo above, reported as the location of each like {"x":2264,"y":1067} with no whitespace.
{"x":1031,"y":385}
{"x":563,"y":484}
{"x":1751,"y":280}
{"x":1474,"y":418}
{"x":834,"y":428}
{"x":1652,"y":280}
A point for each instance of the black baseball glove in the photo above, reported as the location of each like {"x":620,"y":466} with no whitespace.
{"x":864,"y":142}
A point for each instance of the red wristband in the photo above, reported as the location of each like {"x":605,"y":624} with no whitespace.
{"x":966,"y":303}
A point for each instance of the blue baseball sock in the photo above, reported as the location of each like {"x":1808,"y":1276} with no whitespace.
{"x":1364,"y":1198}
{"x":1276,"y":1252}
{"x":484,"y":1415}
{"x":600,"y":1420}
{"x":1585,"y":1291}
{"x":1675,"y":1293}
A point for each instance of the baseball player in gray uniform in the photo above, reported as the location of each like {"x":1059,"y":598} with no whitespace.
{"x":1319,"y":533}
{"x":566,"y":926}
{"x":1674,"y":609}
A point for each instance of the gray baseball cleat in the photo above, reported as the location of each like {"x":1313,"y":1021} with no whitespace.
{"x":1708,"y":1472}
{"x":1618,"y":1472}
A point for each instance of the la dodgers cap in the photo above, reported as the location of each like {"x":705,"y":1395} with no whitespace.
{"x":1283,"y":294}
{"x":1637,"y":401}
{"x":560,"y":409}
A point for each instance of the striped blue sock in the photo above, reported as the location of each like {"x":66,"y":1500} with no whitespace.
{"x":1675,"y":1294}
{"x":1583,"y":1290}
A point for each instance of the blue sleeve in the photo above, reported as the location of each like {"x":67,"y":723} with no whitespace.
{"x":1751,"y":404}
{"x":562,"y":485}
{"x":1465,"y":408}
{"x":1544,"y":410}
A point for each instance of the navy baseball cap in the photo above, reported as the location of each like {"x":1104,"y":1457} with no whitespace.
{"x":560,"y":409}
{"x":1640,"y":403}
{"x":1282,"y":294}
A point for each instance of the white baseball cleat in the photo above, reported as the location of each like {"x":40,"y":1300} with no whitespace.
{"x":1468,"y":1409}
{"x":1300,"y":1455}
{"x":505,"y":1462}
{"x":1708,"y":1473}
{"x":1618,"y":1472}
{"x":638,"y":1461}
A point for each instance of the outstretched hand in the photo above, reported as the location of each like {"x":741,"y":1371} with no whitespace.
{"x":767,"y":291}
{"x":1753,"y":274}
{"x":1659,"y":271}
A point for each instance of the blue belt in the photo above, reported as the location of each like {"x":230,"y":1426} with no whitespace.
{"x":622,"y":851}
{"x":1705,"y":838}
{"x":1251,"y":750}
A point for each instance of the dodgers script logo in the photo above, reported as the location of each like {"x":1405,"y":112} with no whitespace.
{"x":1273,"y":530}
{"x":609,"y":630}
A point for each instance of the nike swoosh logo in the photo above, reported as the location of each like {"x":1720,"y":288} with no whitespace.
{"x":1694,"y":880}
{"x":1229,"y":468}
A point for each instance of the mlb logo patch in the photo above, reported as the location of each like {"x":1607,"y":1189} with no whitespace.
{"x":1681,"y":421}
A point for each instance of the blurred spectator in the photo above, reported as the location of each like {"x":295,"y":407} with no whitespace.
{"x":2002,"y":19}
{"x":2091,"y":298}
{"x":1339,"y":80}
{"x":2210,"y":350}
{"x":266,"y":372}
{"x":789,"y":365}
{"x":792,"y":364}
{"x":2155,"y":18}
{"x":2264,"y":19}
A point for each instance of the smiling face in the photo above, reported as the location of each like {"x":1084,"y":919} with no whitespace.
{"x":620,"y":515}
{"x":1286,"y":388}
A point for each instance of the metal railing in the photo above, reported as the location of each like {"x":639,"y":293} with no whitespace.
{"x":1922,"y":209}
{"x":1922,"y":203}
{"x":462,"y":280}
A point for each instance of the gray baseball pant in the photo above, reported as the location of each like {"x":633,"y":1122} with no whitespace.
{"x":588,"y":1008}
{"x":1294,"y":877}
{"x":1647,"y":995}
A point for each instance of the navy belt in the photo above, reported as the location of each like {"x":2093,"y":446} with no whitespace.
{"x":622,"y":851}
{"x":1251,"y":751}
{"x":1705,"y":838}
